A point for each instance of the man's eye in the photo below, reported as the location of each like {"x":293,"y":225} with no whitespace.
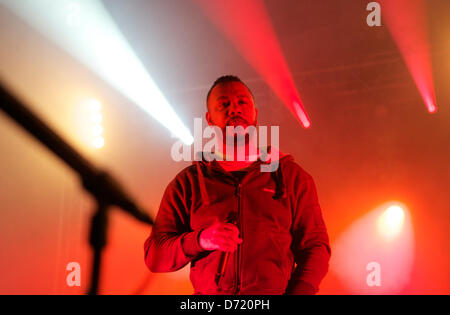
{"x":242,"y":102}
{"x":225,"y":104}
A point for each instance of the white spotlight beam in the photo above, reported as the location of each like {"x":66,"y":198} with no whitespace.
{"x":86,"y":31}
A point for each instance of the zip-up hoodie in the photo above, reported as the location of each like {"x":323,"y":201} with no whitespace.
{"x":285,"y":248}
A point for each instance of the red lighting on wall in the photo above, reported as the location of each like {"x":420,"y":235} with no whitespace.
{"x":406,"y":20}
{"x":247,"y":25}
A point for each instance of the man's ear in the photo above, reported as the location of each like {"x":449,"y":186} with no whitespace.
{"x":208,"y":118}
{"x":256,"y":116}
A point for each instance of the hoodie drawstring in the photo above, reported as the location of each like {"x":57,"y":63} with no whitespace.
{"x":280,"y":190}
{"x":201,"y":180}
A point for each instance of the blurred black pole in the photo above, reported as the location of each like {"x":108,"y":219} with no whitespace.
{"x":105,"y":189}
{"x":97,"y":239}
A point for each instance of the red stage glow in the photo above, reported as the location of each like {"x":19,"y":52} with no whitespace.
{"x":247,"y":25}
{"x":375,"y":255}
{"x":407,"y":23}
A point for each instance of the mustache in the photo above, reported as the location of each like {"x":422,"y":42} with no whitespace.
{"x":238,"y":118}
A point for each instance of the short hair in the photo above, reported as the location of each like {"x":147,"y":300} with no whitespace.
{"x":223,"y":80}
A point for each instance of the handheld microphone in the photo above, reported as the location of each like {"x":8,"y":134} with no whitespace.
{"x":231,"y":218}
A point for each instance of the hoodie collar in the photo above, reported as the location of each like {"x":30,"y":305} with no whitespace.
{"x":206,"y":164}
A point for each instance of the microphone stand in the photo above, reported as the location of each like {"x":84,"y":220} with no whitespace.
{"x":101,"y":185}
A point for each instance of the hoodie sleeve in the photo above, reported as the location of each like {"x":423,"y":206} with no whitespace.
{"x":310,"y":239}
{"x":172,"y":244}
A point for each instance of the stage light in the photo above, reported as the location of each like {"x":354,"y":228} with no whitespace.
{"x":407,"y":22}
{"x":96,"y":118}
{"x":391,"y":221}
{"x":378,"y":245}
{"x":431,"y":105}
{"x":98,"y":143}
{"x":96,"y":129}
{"x":86,"y":31}
{"x":94,"y":105}
{"x":301,"y":114}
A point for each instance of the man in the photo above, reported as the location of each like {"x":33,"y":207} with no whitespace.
{"x":244,"y":231}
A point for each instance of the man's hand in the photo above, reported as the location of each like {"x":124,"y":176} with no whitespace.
{"x":220,"y":236}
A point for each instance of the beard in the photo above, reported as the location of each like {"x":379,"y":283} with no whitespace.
{"x":239,"y":133}
{"x":237,"y":121}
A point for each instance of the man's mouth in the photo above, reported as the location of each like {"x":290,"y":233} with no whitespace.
{"x":237,"y":120}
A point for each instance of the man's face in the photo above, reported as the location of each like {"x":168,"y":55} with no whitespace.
{"x":231,"y":104}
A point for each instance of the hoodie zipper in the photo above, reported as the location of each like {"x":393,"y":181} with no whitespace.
{"x":239,"y":249}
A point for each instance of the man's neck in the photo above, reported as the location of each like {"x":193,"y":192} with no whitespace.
{"x":247,"y":152}
{"x":236,"y":161}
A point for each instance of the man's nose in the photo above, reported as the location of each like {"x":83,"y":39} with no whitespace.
{"x":235,"y":109}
